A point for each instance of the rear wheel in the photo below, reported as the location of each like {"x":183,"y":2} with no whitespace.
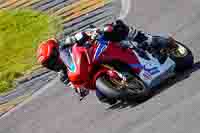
{"x":182,"y":56}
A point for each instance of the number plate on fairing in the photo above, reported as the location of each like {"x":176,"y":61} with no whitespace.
{"x":153,"y":73}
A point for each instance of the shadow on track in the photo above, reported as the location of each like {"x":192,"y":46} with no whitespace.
{"x":159,"y":89}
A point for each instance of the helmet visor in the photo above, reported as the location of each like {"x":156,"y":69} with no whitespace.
{"x":52,"y":63}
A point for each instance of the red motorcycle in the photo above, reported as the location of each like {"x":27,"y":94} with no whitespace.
{"x":122,"y":73}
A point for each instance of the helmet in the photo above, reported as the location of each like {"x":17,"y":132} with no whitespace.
{"x":108,"y":32}
{"x":121,"y":30}
{"x":108,"y":28}
{"x":116,"y":31}
{"x":48,"y":54}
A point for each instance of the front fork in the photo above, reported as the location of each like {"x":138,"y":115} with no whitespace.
{"x":117,"y":77}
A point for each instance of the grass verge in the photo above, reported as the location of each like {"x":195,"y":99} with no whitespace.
{"x":20,"y":33}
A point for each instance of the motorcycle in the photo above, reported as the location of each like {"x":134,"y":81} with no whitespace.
{"x":122,"y":73}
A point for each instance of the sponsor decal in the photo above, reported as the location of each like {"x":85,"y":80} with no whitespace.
{"x":102,"y":45}
{"x":147,"y":75}
{"x":151,"y":71}
{"x":72,"y":68}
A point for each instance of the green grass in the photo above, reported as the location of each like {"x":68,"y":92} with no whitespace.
{"x":20,"y":33}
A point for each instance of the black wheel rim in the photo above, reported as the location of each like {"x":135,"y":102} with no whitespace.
{"x":136,"y":86}
{"x":133,"y":86}
{"x":179,"y":52}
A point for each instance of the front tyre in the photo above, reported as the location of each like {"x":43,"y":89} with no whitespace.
{"x":104,"y":99}
{"x":134,"y":88}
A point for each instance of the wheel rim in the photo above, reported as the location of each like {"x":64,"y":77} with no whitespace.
{"x":111,"y":82}
{"x":180,"y":51}
{"x":133,"y":86}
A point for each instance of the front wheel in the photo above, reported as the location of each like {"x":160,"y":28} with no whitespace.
{"x":182,"y":56}
{"x":118,"y":89}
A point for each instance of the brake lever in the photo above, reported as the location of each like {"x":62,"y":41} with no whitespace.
{"x":82,"y":93}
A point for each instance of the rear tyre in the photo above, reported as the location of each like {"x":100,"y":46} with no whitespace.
{"x":182,"y":56}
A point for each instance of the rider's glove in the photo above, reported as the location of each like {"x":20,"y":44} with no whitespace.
{"x":68,"y":42}
{"x":94,"y":35}
{"x":149,"y":40}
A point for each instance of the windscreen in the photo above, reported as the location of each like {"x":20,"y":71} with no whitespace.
{"x":67,"y":58}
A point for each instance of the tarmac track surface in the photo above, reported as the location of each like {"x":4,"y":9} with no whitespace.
{"x":174,"y":109}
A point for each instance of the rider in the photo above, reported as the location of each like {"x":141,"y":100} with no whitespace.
{"x":51,"y":53}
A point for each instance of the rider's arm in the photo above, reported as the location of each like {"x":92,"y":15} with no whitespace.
{"x":140,"y":36}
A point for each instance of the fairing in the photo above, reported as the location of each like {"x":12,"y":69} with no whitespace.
{"x":87,"y":62}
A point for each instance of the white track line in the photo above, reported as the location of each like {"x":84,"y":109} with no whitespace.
{"x":126,"y":6}
{"x":34,"y":96}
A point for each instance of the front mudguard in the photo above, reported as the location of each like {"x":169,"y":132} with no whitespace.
{"x":107,"y":92}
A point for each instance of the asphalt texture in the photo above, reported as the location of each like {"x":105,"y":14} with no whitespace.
{"x":175,"y":108}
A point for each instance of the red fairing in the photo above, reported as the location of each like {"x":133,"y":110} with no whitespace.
{"x":125,"y":55}
{"x":88,"y":68}
{"x":83,"y":66}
